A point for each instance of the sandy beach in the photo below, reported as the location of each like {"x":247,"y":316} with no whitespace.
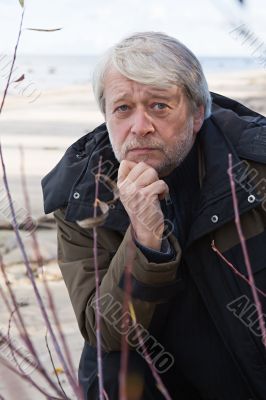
{"x":44,"y":129}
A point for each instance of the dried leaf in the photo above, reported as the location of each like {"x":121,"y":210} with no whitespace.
{"x":93,"y":222}
{"x":44,"y":30}
{"x":21,"y":78}
{"x":59,"y":370}
{"x":132,"y":312}
{"x":21,"y":2}
{"x":113,"y":186}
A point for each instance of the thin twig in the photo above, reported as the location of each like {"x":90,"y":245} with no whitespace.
{"x":26,"y":262}
{"x":20,"y":322}
{"x":5,"y":297}
{"x":97,"y":291}
{"x":53,"y":364}
{"x":125,"y":322}
{"x":13,"y":62}
{"x":27,"y":378}
{"x":69,"y":376}
{"x":23,"y":330}
{"x":9,"y":338}
{"x":161,"y":387}
{"x":18,"y":372}
{"x":28,"y":343}
{"x":245,"y":253}
{"x":39,"y":258}
{"x":234,"y":268}
{"x":18,"y":352}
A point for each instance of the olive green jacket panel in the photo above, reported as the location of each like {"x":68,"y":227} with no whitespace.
{"x":76,"y":261}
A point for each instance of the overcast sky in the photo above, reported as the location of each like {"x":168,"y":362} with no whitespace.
{"x":89,"y":27}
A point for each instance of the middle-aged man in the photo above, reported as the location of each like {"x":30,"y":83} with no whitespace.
{"x":165,"y":144}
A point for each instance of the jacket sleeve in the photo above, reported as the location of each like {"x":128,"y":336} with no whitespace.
{"x":152,"y":283}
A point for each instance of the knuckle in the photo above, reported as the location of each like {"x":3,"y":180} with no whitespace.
{"x":153,"y":172}
{"x":119,"y":185}
{"x":150,"y":174}
{"x":163,"y":183}
{"x":122,"y":164}
{"x":142,"y":163}
{"x":127,"y":189}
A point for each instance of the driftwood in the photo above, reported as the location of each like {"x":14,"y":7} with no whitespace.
{"x":43,"y":222}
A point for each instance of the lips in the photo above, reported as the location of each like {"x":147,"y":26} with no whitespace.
{"x":143,"y":149}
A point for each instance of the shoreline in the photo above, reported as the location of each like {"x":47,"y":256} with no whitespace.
{"x":58,"y":118}
{"x":45,"y":129}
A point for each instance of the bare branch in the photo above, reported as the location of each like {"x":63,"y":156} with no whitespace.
{"x":234,"y":268}
{"x":13,"y":62}
{"x":245,"y":253}
{"x":97,"y":291}
{"x":54,"y":368}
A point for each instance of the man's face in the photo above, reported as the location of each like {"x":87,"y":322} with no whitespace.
{"x":149,"y":124}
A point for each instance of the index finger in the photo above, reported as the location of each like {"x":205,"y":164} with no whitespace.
{"x":124,"y":169}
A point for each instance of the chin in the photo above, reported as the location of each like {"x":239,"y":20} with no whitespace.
{"x":145,"y":158}
{"x":158,"y":165}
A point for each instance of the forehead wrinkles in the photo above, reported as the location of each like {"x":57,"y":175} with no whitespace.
{"x":118,"y":85}
{"x":140,"y":91}
{"x":123,"y":87}
{"x":114,"y":83}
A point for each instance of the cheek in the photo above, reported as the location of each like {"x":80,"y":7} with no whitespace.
{"x":175,"y":131}
{"x":116,"y":134}
{"x":118,"y":130}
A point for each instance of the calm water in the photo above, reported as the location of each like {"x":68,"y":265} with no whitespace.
{"x":58,"y":71}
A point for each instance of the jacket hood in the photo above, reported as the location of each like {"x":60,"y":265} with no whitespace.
{"x":231,"y":128}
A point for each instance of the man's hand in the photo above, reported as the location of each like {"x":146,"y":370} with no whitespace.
{"x":140,"y":190}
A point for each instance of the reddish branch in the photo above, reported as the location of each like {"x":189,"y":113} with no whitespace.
{"x":23,"y":330}
{"x":53,"y":364}
{"x":19,"y":373}
{"x":28,"y":342}
{"x":125,"y":324}
{"x":234,"y":269}
{"x":161,"y":387}
{"x":245,"y":253}
{"x":71,"y":379}
{"x":13,"y":63}
{"x":97,"y":291}
{"x":9,"y":338}
{"x":39,"y":259}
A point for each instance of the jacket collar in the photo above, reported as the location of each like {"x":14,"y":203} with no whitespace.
{"x":71,"y":184}
{"x":215,"y":207}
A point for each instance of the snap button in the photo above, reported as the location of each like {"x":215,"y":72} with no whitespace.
{"x":111,"y":206}
{"x":76,"y":195}
{"x":214,"y":219}
{"x":251,"y":198}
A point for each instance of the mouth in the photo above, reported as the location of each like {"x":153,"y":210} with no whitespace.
{"x":142,"y":150}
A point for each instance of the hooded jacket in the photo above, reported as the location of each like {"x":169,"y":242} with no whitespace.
{"x":69,"y":192}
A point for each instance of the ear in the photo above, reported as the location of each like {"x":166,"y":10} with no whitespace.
{"x":198,"y":119}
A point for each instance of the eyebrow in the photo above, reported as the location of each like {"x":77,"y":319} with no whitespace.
{"x":158,"y":95}
{"x":161,"y":92}
{"x":120,"y":97}
{"x":161,"y":96}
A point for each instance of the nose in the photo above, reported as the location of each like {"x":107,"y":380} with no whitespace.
{"x":142,"y":123}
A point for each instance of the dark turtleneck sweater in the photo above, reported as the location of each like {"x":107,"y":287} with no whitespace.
{"x":189,"y":331}
{"x":184,"y":188}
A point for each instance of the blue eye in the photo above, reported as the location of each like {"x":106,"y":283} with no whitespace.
{"x":122,"y":108}
{"x":161,"y":106}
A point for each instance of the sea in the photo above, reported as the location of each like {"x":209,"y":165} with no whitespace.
{"x":53,"y":72}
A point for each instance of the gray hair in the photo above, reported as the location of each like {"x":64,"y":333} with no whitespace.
{"x":154,"y":58}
